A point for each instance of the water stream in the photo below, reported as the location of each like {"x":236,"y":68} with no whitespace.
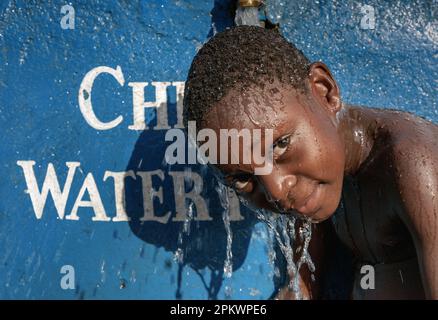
{"x":223,"y":196}
{"x":185,"y":231}
{"x":247,"y":16}
{"x":282,"y":231}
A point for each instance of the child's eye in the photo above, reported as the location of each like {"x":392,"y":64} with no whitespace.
{"x":240,"y":184}
{"x":280,"y":146}
{"x":243,"y":184}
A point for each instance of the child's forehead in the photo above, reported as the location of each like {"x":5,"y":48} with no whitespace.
{"x":256,"y":106}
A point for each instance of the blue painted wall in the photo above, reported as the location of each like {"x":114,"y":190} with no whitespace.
{"x":41,"y":68}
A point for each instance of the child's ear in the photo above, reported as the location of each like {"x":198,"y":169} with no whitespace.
{"x":324,"y":87}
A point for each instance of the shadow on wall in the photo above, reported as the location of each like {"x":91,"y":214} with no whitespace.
{"x":222,"y":16}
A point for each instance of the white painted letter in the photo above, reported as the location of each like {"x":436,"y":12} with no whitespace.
{"x":95,"y":201}
{"x":50,"y":184}
{"x":149,"y":193}
{"x":179,"y":85}
{"x":85,"y":97}
{"x":138,"y":105}
{"x":195,"y":195}
{"x":119,"y":192}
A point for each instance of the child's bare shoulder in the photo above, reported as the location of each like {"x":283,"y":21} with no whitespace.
{"x":414,"y":144}
{"x":412,"y":137}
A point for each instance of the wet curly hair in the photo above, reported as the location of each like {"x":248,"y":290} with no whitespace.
{"x":237,"y":58}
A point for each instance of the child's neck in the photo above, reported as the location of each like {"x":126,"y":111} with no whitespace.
{"x":358,"y":128}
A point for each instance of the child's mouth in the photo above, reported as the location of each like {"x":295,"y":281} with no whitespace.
{"x":312,"y":202}
{"x":308,"y":208}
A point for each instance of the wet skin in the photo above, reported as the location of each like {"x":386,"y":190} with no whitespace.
{"x":390,"y":157}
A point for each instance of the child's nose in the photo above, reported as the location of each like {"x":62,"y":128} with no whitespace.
{"x":276,"y":188}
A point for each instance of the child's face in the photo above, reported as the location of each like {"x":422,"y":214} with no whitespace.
{"x":309,"y":154}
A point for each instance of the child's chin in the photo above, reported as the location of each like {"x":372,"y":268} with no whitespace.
{"x":320,"y":216}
